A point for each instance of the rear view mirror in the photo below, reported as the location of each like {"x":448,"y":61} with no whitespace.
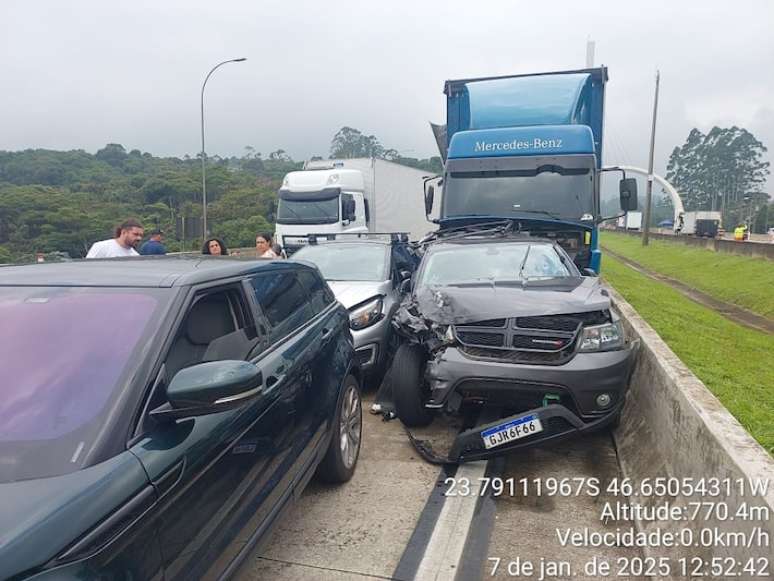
{"x":627,"y":191}
{"x":429,"y":195}
{"x":210,"y":387}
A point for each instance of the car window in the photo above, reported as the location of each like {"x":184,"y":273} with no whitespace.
{"x":320,"y":296}
{"x":283,"y":300}
{"x":66,"y":355}
{"x":215,"y":327}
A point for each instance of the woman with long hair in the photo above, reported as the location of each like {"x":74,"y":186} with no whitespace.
{"x":215,"y":247}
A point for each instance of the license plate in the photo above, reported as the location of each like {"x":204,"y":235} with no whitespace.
{"x":510,"y":431}
{"x":296,"y":241}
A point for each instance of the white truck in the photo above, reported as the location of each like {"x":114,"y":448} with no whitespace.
{"x":702,"y":223}
{"x":630,"y":221}
{"x":349,"y":196}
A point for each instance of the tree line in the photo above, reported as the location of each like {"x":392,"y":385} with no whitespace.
{"x":63,"y":201}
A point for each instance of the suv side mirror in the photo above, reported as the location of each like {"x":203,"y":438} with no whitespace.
{"x":627,"y":191}
{"x":429,"y":195}
{"x":211,"y":387}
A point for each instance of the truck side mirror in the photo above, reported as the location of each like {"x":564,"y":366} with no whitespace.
{"x":351,"y":212}
{"x":627,"y":191}
{"x":429,"y":195}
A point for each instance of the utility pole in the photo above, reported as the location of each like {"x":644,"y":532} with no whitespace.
{"x":649,"y":188}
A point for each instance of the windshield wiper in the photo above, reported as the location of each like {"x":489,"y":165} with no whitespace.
{"x":554,"y":216}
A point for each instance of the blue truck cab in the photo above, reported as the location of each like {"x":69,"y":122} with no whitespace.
{"x":528,"y":148}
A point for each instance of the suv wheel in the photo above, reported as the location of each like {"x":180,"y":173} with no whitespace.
{"x":408,"y":389}
{"x":340,"y":460}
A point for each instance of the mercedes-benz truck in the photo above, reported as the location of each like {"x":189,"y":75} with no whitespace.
{"x":528,"y":148}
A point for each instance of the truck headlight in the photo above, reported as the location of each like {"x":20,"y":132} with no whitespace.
{"x":366,"y":314}
{"x":602,"y":337}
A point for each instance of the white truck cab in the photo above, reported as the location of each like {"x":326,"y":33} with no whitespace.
{"x":326,"y":200}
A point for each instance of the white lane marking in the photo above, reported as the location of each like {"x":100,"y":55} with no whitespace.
{"x":444,"y":550}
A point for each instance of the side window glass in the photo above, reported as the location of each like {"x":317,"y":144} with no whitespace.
{"x":320,"y":296}
{"x":283,"y":301}
{"x":214,"y":328}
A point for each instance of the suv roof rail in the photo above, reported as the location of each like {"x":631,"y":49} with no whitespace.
{"x":331,"y":236}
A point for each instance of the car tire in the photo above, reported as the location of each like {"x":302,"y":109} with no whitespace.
{"x":338,"y":464}
{"x":408,"y":386}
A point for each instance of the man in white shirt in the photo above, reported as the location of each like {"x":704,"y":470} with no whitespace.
{"x":128,"y":235}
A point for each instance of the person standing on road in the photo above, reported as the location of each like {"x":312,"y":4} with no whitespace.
{"x":127,"y":236}
{"x":154,"y":245}
{"x":263,"y":246}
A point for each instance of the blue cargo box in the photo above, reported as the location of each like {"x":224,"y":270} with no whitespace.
{"x":554,"y":99}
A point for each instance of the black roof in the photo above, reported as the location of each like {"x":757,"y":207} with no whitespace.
{"x":143,"y":271}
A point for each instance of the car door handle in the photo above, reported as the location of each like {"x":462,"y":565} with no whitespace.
{"x":274,"y":380}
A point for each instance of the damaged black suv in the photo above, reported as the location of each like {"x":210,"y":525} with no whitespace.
{"x":504,"y":319}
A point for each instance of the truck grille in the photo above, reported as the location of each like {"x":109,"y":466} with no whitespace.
{"x":544,"y":340}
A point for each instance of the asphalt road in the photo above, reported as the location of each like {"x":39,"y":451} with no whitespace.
{"x":361,"y":530}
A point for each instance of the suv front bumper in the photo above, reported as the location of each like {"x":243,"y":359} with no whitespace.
{"x":453,"y":375}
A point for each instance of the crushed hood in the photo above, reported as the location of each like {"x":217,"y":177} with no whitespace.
{"x":351,"y":293}
{"x":452,"y":305}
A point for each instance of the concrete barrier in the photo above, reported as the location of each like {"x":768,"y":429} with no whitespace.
{"x":674,"y":427}
{"x":752,"y":249}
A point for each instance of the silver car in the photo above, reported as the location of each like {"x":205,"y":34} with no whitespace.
{"x":365,"y":275}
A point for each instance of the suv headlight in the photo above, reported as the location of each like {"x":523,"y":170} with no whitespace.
{"x":366,"y":314}
{"x":602,"y":337}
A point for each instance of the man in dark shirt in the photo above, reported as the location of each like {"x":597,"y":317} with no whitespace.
{"x":154,"y":245}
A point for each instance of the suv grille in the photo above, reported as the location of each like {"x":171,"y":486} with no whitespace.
{"x":545,"y":340}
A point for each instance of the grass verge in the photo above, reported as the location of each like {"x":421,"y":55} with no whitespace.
{"x":747,"y":282}
{"x":735,"y":363}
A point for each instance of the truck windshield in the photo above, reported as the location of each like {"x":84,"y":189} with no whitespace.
{"x":66,"y":353}
{"x":308,"y":211}
{"x":487,"y":263}
{"x":568,"y":195}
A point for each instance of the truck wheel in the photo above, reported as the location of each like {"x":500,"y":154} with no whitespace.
{"x":340,"y":460}
{"x":408,"y":390}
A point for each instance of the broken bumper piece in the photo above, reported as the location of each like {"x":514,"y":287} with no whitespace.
{"x":555,"y":423}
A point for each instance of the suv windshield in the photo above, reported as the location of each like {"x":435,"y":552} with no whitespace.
{"x":65,"y":354}
{"x":308,"y":211}
{"x":341,"y":261}
{"x":567,"y":195}
{"x":487,"y":263}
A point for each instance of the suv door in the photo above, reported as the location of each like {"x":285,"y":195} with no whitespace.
{"x":210,"y":471}
{"x":307,"y":329}
{"x":330,"y":356}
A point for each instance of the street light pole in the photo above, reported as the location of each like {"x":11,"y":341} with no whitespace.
{"x":204,"y":155}
{"x":649,"y":186}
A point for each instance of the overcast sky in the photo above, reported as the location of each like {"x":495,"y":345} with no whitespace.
{"x":80,"y":74}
